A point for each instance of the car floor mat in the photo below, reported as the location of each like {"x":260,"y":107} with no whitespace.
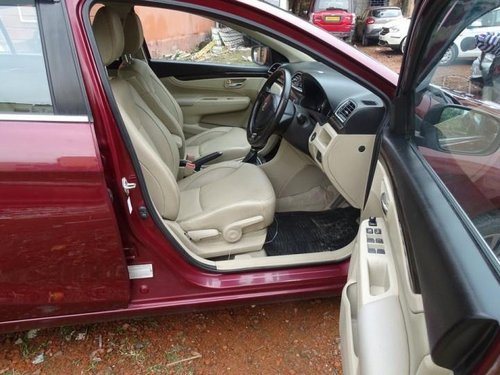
{"x":311,"y":232}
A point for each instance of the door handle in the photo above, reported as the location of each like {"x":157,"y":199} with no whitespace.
{"x":384,"y":202}
{"x":234,"y":83}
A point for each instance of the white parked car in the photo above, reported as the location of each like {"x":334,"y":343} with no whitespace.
{"x":369,"y":24}
{"x":488,"y":23}
{"x":394,"y":34}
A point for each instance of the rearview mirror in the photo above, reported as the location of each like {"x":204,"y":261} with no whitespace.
{"x":468,"y":131}
{"x":261,"y":55}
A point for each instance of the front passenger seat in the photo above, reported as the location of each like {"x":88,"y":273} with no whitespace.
{"x":231,"y":141}
{"x":224,"y":209}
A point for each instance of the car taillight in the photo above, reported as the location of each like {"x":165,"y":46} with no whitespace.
{"x":370,"y":20}
{"x":316,"y":17}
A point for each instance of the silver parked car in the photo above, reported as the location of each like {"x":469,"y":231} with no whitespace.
{"x":370,"y":23}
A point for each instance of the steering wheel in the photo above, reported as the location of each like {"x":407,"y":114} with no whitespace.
{"x":268,"y":109}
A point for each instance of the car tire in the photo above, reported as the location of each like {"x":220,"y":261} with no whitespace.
{"x":449,"y":56}
{"x":488,"y":225}
{"x":402,"y":46}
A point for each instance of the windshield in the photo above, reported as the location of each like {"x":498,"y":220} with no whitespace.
{"x":331,"y":4}
{"x":386,"y":13}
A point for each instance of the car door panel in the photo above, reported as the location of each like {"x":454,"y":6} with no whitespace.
{"x":382,"y":321}
{"x":208,"y":103}
{"x":467,"y":317}
{"x":61,"y":251}
{"x":445,"y":273}
{"x":57,"y":223}
{"x":188,"y":71}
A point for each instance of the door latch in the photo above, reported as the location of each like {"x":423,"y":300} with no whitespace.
{"x":127,"y":186}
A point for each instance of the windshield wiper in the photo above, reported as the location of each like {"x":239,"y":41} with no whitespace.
{"x":335,"y":8}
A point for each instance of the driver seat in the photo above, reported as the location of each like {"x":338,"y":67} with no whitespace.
{"x":223,"y":209}
{"x":231,"y":141}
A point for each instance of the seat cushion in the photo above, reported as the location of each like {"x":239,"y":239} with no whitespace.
{"x":231,"y":141}
{"x":223,"y":194}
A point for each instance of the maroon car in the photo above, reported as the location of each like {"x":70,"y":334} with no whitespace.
{"x":161,"y":157}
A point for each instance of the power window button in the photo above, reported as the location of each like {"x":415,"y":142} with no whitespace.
{"x":378,"y":231}
{"x":369,"y":230}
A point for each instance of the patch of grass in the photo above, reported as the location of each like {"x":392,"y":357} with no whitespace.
{"x":159,"y":368}
{"x":129,"y":350}
{"x":26,"y":349}
{"x":173,"y":354}
{"x":65,"y":331}
{"x":177,"y":353}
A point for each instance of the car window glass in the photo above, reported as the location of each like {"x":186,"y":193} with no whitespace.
{"x":25,"y":88}
{"x":489,"y":20}
{"x":458,"y":128}
{"x":180,"y":36}
{"x":386,"y":13}
{"x":331,"y":4}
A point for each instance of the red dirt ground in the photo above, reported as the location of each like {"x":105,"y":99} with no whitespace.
{"x":288,"y":338}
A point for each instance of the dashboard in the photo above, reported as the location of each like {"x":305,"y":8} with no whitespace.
{"x":324,"y":96}
{"x":335,"y":122}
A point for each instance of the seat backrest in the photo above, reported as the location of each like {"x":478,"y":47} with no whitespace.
{"x":153,"y":143}
{"x":147,"y":84}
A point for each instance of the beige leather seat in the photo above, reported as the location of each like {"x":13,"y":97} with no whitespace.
{"x":231,"y":141}
{"x":221,"y":204}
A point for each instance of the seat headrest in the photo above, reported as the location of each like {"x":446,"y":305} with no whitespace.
{"x":134,"y":36}
{"x":108,"y":33}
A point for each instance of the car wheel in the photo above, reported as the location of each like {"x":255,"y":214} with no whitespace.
{"x":449,"y":56}
{"x":402,"y":46}
{"x":488,"y":225}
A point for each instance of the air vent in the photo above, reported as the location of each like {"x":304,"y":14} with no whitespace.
{"x":273,"y":68}
{"x":297,"y":81}
{"x":345,"y":110}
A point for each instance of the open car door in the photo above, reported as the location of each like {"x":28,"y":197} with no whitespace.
{"x":423,"y":285}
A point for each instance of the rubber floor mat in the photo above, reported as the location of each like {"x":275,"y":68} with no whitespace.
{"x":311,"y":232}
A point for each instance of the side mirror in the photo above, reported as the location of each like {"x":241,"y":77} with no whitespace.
{"x":261,"y":55}
{"x":464,"y":130}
